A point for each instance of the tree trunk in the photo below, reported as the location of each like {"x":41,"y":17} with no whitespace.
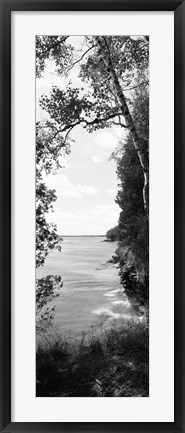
{"x":141,"y":145}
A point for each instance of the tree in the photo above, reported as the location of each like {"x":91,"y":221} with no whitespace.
{"x":133,"y":227}
{"x":140,"y":144}
{"x":112,"y":234}
{"x":48,"y":150}
{"x":109,"y":65}
{"x":53,"y":47}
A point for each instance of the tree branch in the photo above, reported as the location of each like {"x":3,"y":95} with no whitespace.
{"x":69,"y":127}
{"x":54,"y":45}
{"x":134,"y":87}
{"x":68,"y":132}
{"x":138,"y":142}
{"x":65,"y":128}
{"x":99,"y":120}
{"x":77,"y":61}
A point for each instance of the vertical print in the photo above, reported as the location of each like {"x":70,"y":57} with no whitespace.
{"x":92,"y":216}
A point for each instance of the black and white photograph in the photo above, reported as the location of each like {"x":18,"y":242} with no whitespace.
{"x":92,"y":216}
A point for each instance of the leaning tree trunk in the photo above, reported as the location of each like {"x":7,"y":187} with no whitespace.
{"x":140,"y":144}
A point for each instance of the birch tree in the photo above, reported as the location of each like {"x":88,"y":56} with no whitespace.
{"x":113,"y":67}
{"x":140,"y":143}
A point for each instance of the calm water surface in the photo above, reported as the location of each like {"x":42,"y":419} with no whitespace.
{"x":91,"y":296}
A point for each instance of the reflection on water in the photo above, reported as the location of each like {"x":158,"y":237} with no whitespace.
{"x":91,"y":294}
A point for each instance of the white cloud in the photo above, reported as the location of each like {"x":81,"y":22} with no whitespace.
{"x":111,"y":191}
{"x":106,"y":140}
{"x":74,"y":166}
{"x":93,"y":221}
{"x":62,"y":185}
{"x":96,"y":159}
{"x":87,"y":189}
{"x":65,"y":188}
{"x":108,"y":211}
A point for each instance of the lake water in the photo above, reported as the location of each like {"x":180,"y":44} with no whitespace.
{"x":91,"y":296}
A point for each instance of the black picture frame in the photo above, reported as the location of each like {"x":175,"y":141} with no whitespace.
{"x":6,"y":7}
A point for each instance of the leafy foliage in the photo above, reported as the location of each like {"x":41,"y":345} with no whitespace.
{"x":52,"y":47}
{"x":112,"y":234}
{"x":65,"y":107}
{"x":100,"y":106}
{"x":128,"y":57}
{"x":46,"y":159}
{"x":46,"y":236}
{"x":133,"y":228}
{"x":48,"y":150}
{"x":48,"y":288}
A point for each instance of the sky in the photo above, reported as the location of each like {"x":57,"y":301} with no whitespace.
{"x":86,"y":186}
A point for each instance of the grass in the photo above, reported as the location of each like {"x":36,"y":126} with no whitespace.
{"x":114,"y":364}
